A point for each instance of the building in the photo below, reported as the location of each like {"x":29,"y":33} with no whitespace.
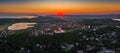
{"x":59,"y":30}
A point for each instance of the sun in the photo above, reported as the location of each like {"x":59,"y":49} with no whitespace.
{"x":59,"y":13}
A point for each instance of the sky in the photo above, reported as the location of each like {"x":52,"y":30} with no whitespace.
{"x":59,"y":6}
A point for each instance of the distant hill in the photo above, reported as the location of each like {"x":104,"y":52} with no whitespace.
{"x":81,"y":17}
{"x":39,"y":19}
{"x":65,"y":17}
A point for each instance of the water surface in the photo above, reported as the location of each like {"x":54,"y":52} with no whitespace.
{"x":116,"y":19}
{"x":21,"y":26}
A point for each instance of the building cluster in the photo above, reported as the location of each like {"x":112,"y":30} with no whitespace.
{"x":106,"y":42}
{"x":88,"y":44}
{"x":60,"y":27}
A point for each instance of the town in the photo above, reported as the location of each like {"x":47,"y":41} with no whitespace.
{"x":62,"y":37}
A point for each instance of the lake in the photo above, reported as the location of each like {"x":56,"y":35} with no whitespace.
{"x":116,"y":19}
{"x":21,"y":26}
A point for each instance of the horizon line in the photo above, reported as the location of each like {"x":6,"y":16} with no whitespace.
{"x":55,"y":14}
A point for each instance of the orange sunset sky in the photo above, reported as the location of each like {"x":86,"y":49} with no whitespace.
{"x":64,"y":7}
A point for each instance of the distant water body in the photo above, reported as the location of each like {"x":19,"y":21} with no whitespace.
{"x":17,"y":16}
{"x":84,"y":16}
{"x":116,"y":19}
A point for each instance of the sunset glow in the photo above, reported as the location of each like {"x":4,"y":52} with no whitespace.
{"x":52,"y":7}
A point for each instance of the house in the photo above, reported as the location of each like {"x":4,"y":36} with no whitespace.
{"x":59,"y":30}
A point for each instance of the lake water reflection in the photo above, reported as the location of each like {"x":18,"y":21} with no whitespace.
{"x":21,"y":26}
{"x":116,"y":19}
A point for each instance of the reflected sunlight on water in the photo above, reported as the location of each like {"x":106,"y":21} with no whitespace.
{"x":18,"y":17}
{"x":20,"y":26}
{"x":116,"y":19}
